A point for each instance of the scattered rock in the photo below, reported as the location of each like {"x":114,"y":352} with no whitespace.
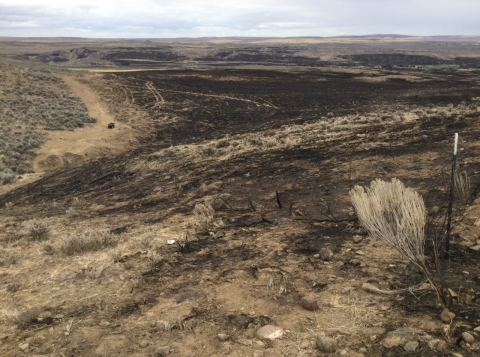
{"x":475,"y":247}
{"x":144,"y":343}
{"x":468,"y":338}
{"x":326,"y":344}
{"x":357,"y":239}
{"x":310,"y":302}
{"x":270,"y":332}
{"x":344,"y":331}
{"x":225,"y":350}
{"x":162,"y":351}
{"x":223,"y":336}
{"x":411,"y":346}
{"x":446,"y":316}
{"x":400,"y":337}
{"x":24,"y":346}
{"x":258,"y":353}
{"x":326,"y":254}
{"x":347,"y":289}
{"x":433,"y":211}
{"x":305,"y":344}
{"x":355,"y":262}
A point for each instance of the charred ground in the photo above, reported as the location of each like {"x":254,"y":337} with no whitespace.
{"x":243,"y":136}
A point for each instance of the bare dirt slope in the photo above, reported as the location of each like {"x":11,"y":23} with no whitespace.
{"x":92,"y":141}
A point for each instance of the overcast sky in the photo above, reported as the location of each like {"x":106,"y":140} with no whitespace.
{"x":199,"y":18}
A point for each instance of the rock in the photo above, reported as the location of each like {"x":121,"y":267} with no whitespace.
{"x":326,"y":254}
{"x":433,"y":211}
{"x":411,"y":346}
{"x":316,"y":256}
{"x":258,"y":353}
{"x":446,"y":316}
{"x":162,"y":351}
{"x":260,"y":343}
{"x":343,"y":331}
{"x":347,"y":289}
{"x":24,"y":346}
{"x":270,"y":332}
{"x":326,"y":344}
{"x":477,"y":223}
{"x":468,"y":338}
{"x":441,"y":346}
{"x":223,"y":336}
{"x":305,"y":344}
{"x":360,"y":252}
{"x":225,"y":350}
{"x":475,"y":247}
{"x":477,"y":329}
{"x":357,"y":239}
{"x":144,"y":343}
{"x":310,"y":302}
{"x":400,"y":337}
{"x":355,"y":262}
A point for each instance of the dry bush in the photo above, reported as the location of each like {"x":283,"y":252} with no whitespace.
{"x":88,"y":241}
{"x":205,"y":216}
{"x":395,"y":215}
{"x":8,"y":257}
{"x":36,"y":230}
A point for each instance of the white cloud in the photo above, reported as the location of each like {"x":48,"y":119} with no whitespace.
{"x":160,"y":18}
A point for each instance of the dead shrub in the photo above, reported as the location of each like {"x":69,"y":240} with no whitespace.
{"x":8,"y":257}
{"x":88,"y":241}
{"x":36,"y":230}
{"x":396,"y":215}
{"x":205,"y":216}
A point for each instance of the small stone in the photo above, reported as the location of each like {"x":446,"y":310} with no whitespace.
{"x":355,"y":262}
{"x":343,"y":353}
{"x":162,"y":351}
{"x":373,"y":338}
{"x":441,"y":346}
{"x":223,"y":336}
{"x":475,"y":247}
{"x":400,"y":337}
{"x":305,"y":344}
{"x":225,"y":350}
{"x":433,"y":211}
{"x":24,"y":346}
{"x":260,"y":343}
{"x":477,"y":329}
{"x":144,"y":343}
{"x":316,"y":256}
{"x":270,"y":332}
{"x":326,"y":254}
{"x":446,"y":316}
{"x":326,"y":344}
{"x":344,"y":331}
{"x":310,"y":302}
{"x":411,"y":346}
{"x":347,"y":289}
{"x":357,"y":239}
{"x":360,"y":252}
{"x":258,"y":353}
{"x":477,"y":223}
{"x":468,"y":338}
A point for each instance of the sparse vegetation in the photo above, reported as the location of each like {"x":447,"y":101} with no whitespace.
{"x":31,"y":101}
{"x":88,"y":241}
{"x":36,"y":230}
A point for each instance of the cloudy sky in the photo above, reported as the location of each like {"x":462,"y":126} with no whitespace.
{"x":199,"y":18}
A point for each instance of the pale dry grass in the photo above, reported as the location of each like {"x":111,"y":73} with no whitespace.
{"x":87,"y":241}
{"x":36,"y":230}
{"x":393,"y":214}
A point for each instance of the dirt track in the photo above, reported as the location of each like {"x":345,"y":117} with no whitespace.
{"x":65,"y":148}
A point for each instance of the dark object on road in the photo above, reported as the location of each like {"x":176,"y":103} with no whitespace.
{"x":111,"y":125}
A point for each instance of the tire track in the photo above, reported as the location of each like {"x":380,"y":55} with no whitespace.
{"x":159,"y":101}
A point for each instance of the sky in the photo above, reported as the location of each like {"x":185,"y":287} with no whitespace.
{"x":247,"y":18}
